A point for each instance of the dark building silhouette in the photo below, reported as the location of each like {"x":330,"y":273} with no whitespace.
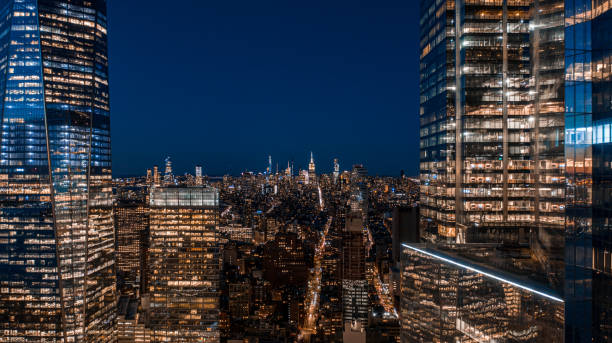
{"x":404,"y":229}
{"x":132,"y":242}
{"x":285,"y":260}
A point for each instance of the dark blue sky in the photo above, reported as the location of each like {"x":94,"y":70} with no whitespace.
{"x":225,"y":83}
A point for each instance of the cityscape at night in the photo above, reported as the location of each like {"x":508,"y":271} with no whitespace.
{"x":332,"y":171}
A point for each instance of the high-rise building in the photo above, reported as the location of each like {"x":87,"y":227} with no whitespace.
{"x":492,"y":161}
{"x":184,"y":264}
{"x":515,"y":146}
{"x":588,"y":152}
{"x":336,"y":170}
{"x":156,"y":176}
{"x":354,"y":284}
{"x":312,"y":170}
{"x":492,"y":121}
{"x":168,"y":176}
{"x":492,"y":158}
{"x":269,"y":171}
{"x":198,"y":176}
{"x":132,"y":241}
{"x":57,"y":280}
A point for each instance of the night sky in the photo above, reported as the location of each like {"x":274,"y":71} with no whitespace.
{"x":226,"y":83}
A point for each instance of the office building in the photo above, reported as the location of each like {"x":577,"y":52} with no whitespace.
{"x":492,"y":163}
{"x":491,"y":114}
{"x":588,"y":151}
{"x":156,"y":176}
{"x":491,"y":120}
{"x":336,"y":172}
{"x":198,"y":176}
{"x":285,"y":259}
{"x":57,"y":279}
{"x":131,"y":242}
{"x":312,"y":170}
{"x":184,"y":264}
{"x":168,"y":176}
{"x":354,"y":284}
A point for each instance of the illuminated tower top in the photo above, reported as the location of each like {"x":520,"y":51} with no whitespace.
{"x":336,"y":169}
{"x":269,"y":164}
{"x":198,"y":175}
{"x":168,"y":177}
{"x":311,"y":166}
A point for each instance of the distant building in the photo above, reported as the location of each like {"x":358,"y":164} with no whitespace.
{"x":132,"y":241}
{"x":312,"y":170}
{"x":237,"y":232}
{"x":404,"y":229}
{"x":336,"y":172}
{"x":285,"y":260}
{"x":184,"y":264}
{"x":198,"y":176}
{"x":156,"y":176}
{"x":240,"y":299}
{"x":168,"y":176}
{"x":354,"y":284}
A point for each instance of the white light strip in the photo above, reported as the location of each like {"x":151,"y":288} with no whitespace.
{"x":498,"y":278}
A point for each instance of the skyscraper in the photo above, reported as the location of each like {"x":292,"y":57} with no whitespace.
{"x":492,"y":159}
{"x":156,"y":176}
{"x":336,"y":170}
{"x":269,"y":164}
{"x":132,"y":240}
{"x":354,"y":284}
{"x":198,"y":175}
{"x":588,"y":152}
{"x":57,"y":278}
{"x":515,"y":136}
{"x":168,"y":176}
{"x":480,"y":161}
{"x":184,"y":264}
{"x":312,"y":170}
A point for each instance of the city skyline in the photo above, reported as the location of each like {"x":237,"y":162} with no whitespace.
{"x":262,"y":192}
{"x":339,"y":79}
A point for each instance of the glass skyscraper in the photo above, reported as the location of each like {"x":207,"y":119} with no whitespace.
{"x":57,"y":278}
{"x":588,"y":151}
{"x":516,"y":133}
{"x":492,"y":120}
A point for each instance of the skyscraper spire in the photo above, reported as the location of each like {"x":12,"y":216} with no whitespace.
{"x":168,"y":177}
{"x":336,"y":170}
{"x":311,"y":167}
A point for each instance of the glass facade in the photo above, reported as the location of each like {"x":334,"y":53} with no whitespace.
{"x":588,"y":119}
{"x":449,"y":298}
{"x":184,"y":264}
{"x":57,"y":278}
{"x":491,"y":121}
